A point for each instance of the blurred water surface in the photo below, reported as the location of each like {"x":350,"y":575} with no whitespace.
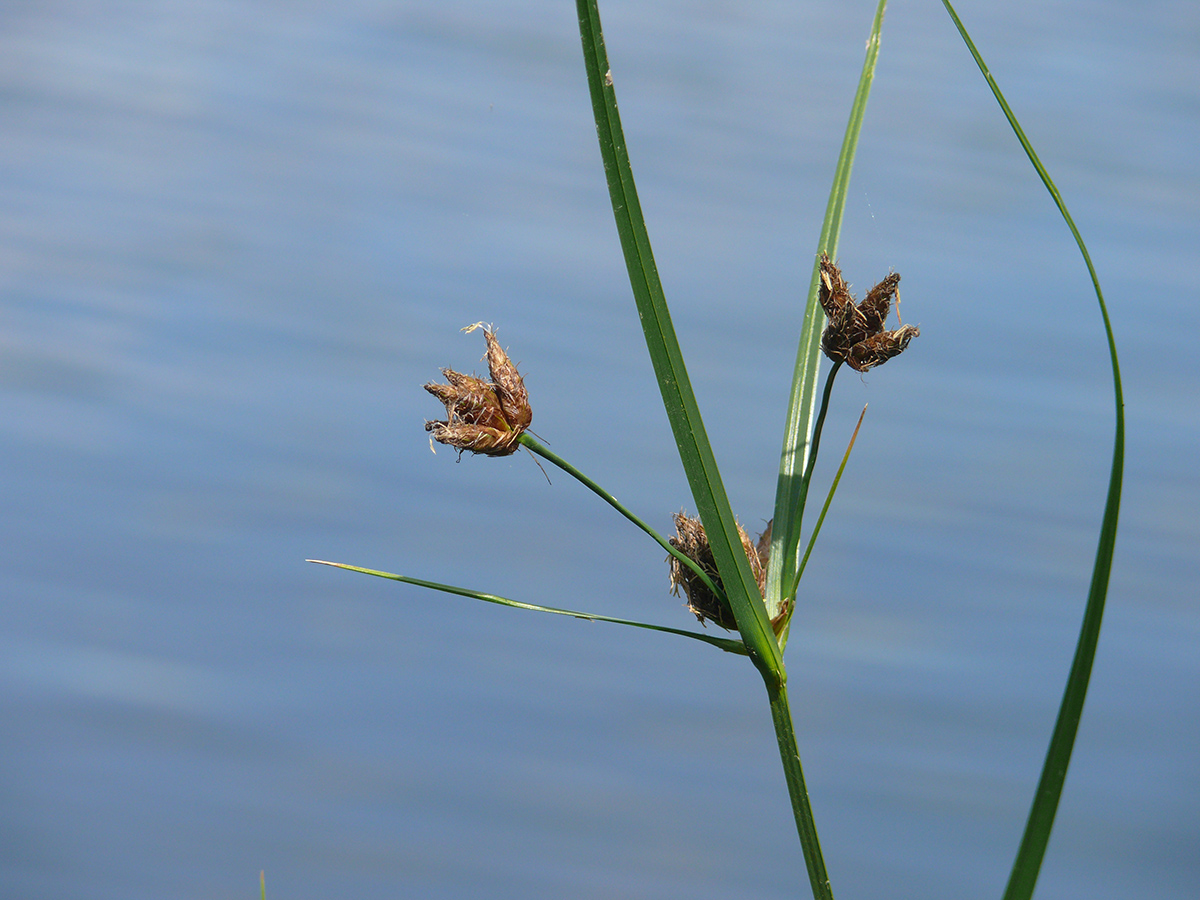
{"x":236,"y":238}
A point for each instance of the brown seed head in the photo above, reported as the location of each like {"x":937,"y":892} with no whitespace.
{"x":483,"y":416}
{"x":855,"y":333}
{"x":692,"y":542}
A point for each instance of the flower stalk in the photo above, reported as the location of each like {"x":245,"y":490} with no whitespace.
{"x":677,"y":556}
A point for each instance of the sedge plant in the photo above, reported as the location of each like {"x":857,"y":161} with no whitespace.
{"x":749,"y":588}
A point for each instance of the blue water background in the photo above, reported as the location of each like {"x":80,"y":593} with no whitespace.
{"x":237,"y":238}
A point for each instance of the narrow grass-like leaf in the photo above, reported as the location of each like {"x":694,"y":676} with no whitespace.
{"x":1032,"y":850}
{"x":832,"y":490}
{"x":727,"y":644}
{"x":683,"y":413}
{"x":794,"y":472}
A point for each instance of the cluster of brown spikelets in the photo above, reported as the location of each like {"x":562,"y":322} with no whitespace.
{"x":855,"y":333}
{"x":489,"y":417}
{"x":483,"y":416}
{"x":692,"y":542}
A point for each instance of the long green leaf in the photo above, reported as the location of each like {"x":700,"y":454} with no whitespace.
{"x":1029,"y":856}
{"x":727,"y":644}
{"x":683,"y":413}
{"x":791,"y":490}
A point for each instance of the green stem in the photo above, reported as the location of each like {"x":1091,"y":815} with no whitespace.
{"x":534,"y":446}
{"x":781,"y":714}
{"x":789,"y":753}
{"x":683,"y":412}
{"x":816,"y":440}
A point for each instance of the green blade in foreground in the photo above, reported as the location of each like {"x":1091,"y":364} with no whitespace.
{"x":727,"y":644}
{"x":683,"y":413}
{"x":1029,"y":857}
{"x":791,"y":490}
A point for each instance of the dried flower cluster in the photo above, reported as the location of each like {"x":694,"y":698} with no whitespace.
{"x":855,"y":334}
{"x":692,"y":542}
{"x":483,"y":416}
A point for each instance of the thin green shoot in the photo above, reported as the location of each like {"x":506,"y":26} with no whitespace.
{"x":727,"y":644}
{"x":829,"y":497}
{"x":789,"y":593}
{"x":535,"y":446}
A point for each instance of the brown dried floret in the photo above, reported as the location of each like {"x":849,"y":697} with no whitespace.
{"x":692,"y":542}
{"x":855,"y":333}
{"x":483,"y":416}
